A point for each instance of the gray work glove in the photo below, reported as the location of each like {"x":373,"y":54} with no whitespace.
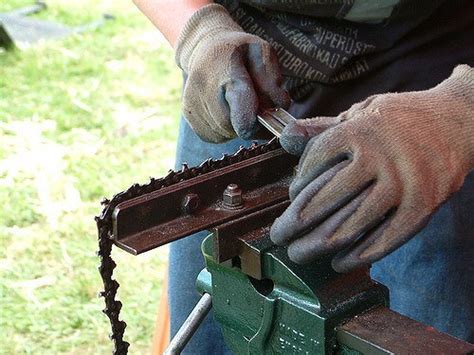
{"x":230,"y":75}
{"x":370,"y":182}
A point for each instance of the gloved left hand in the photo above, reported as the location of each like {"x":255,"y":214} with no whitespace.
{"x":369,"y":183}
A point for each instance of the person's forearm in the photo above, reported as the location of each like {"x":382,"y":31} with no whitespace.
{"x":170,"y":16}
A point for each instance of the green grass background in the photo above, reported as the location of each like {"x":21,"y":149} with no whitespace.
{"x":80,"y":119}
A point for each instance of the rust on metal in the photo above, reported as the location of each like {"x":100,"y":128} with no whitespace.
{"x":191,"y":203}
{"x":232,"y":197}
{"x":229,"y":236}
{"x":383,"y":331}
{"x":154,"y":219}
{"x":105,"y":226}
{"x":233,"y":238}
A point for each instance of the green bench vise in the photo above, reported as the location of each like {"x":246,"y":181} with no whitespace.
{"x":264,"y":303}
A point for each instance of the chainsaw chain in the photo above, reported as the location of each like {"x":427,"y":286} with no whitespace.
{"x":104,"y":226}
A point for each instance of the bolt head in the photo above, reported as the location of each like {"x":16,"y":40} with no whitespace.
{"x":191,"y":202}
{"x":232,"y":197}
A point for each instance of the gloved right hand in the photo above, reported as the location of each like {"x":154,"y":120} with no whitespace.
{"x":230,"y":75}
{"x":371,"y":178}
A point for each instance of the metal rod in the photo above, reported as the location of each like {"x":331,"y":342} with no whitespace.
{"x":283,"y":116}
{"x":275,"y":120}
{"x":190,"y":325}
{"x":271,"y":124}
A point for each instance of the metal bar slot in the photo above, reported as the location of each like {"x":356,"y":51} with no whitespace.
{"x":283,"y":116}
{"x":275,"y":120}
{"x":271,"y":124}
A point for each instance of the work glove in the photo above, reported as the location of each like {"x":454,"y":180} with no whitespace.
{"x":370,"y":179}
{"x":230,"y":75}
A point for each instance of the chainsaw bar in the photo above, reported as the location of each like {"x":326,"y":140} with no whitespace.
{"x":203,"y":202}
{"x":106,"y":233}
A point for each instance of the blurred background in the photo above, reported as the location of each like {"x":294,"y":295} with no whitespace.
{"x":81,"y":118}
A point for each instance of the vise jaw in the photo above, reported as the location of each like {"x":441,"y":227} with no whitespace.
{"x":267,"y":304}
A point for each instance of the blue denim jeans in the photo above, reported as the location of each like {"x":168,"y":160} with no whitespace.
{"x":185,"y":258}
{"x":430,"y":278}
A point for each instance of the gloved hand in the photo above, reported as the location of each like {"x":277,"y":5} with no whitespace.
{"x":230,"y":74}
{"x":371,"y":182}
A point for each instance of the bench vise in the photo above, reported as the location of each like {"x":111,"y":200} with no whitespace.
{"x":265,"y":303}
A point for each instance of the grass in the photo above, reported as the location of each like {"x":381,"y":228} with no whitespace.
{"x":80,"y":119}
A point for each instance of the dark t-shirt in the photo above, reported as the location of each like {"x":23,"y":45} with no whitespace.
{"x":362,"y":11}
{"x":387,"y":45}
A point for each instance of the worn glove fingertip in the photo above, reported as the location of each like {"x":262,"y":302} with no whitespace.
{"x":346,"y":263}
{"x":298,"y":253}
{"x":243,"y":104}
{"x":294,"y":145}
{"x":278,"y":233}
{"x":294,"y":138}
{"x":246,"y":130}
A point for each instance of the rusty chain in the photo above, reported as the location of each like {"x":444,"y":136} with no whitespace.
{"x":105,"y":237}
